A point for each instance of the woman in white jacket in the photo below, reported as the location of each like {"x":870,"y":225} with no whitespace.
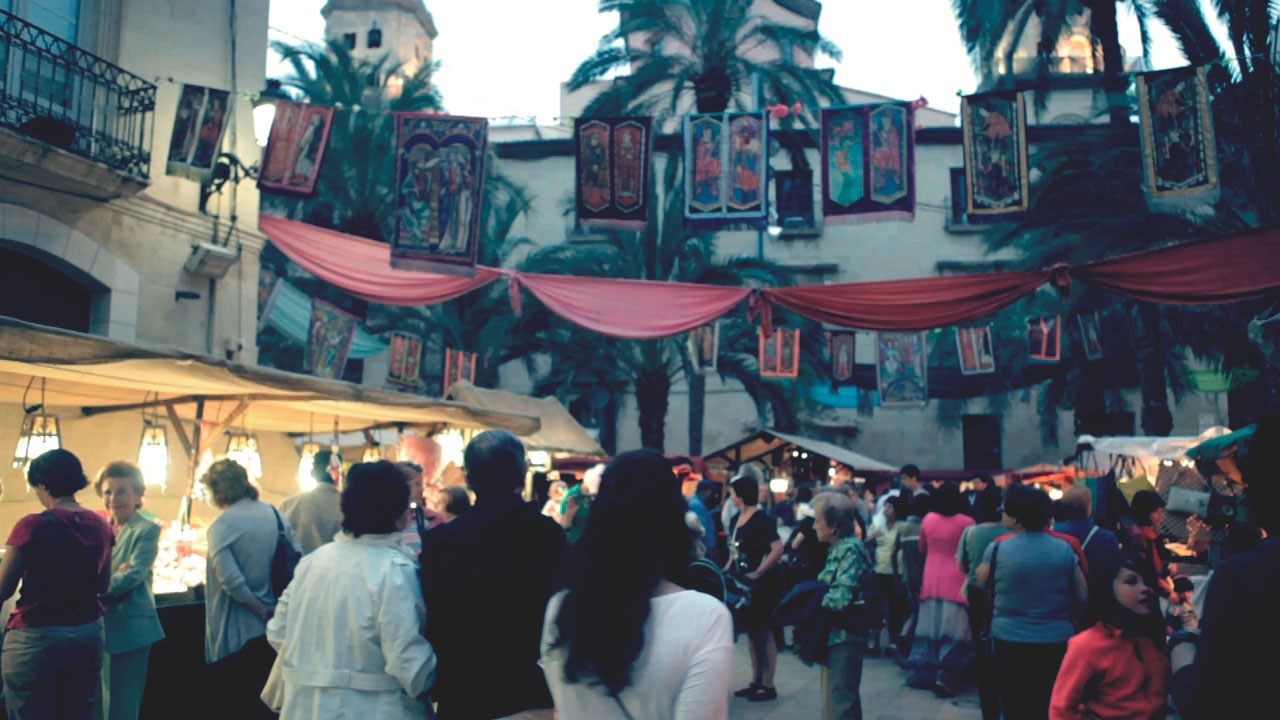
{"x":349,"y":626}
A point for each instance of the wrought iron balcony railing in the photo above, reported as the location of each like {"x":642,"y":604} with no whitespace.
{"x":59,"y":93}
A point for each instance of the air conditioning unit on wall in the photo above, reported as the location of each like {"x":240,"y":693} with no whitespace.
{"x":211,"y":261}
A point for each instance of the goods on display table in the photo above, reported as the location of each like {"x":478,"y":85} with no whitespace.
{"x":180,"y":563}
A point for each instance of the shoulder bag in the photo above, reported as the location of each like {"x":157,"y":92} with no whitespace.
{"x":285,"y":559}
{"x":987,"y":636}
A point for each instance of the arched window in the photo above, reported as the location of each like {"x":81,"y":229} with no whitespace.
{"x":375,"y":38}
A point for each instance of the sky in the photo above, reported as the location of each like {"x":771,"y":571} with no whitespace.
{"x":508,"y":57}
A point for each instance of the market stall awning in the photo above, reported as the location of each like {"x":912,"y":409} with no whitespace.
{"x":1165,"y":448}
{"x":99,"y":375}
{"x":559,"y":431}
{"x":762,"y":446}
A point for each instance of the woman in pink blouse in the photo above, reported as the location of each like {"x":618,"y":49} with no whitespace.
{"x":943,"y":646}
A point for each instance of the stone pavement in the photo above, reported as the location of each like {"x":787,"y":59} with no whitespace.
{"x":885,"y":695}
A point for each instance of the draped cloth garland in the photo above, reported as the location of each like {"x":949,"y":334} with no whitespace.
{"x":1207,"y":272}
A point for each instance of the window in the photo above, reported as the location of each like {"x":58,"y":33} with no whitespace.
{"x":960,"y":216}
{"x":375,"y":38}
{"x":59,"y":17}
{"x":1099,"y":424}
{"x":982,"y":446}
{"x":350,"y":40}
{"x":794,"y":189}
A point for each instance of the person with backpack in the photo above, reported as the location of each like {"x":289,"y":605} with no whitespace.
{"x":852,"y":599}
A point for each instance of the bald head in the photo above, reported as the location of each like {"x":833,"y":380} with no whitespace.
{"x":1077,"y":502}
{"x":495,"y":463}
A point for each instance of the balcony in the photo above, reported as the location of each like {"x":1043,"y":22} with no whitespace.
{"x":64,"y":106}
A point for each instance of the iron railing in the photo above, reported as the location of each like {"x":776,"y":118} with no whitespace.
{"x":59,"y":93}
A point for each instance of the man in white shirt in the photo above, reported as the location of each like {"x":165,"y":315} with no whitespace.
{"x":316,"y":515}
{"x":909,"y":481}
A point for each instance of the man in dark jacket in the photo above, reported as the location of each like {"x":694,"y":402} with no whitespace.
{"x":486,"y":579}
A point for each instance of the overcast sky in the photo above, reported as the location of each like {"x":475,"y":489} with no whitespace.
{"x":508,"y":57}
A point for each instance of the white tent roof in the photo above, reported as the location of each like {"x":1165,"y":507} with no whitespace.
{"x":1164,"y":448}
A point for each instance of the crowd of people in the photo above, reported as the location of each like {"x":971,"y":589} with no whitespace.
{"x":621,"y":598}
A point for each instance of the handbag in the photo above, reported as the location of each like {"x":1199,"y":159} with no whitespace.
{"x":987,"y":638}
{"x":285,"y":559}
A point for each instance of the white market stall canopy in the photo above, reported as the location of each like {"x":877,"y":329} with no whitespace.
{"x":559,"y":432}
{"x":761,"y":447}
{"x":1163,"y":448}
{"x":99,"y":376}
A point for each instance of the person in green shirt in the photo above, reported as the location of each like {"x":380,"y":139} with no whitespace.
{"x":848,"y":561}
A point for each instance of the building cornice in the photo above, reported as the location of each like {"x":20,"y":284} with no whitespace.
{"x":413,"y":7}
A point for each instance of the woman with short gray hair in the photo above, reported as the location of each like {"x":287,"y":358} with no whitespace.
{"x":848,"y":568}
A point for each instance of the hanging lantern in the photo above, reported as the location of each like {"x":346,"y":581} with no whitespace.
{"x":153,"y":454}
{"x":373,"y":453}
{"x":306,"y":464}
{"x":40,"y":434}
{"x":243,"y":448}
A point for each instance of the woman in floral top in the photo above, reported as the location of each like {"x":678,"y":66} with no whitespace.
{"x":848,"y":564}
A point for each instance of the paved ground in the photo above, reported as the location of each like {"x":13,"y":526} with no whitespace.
{"x":885,"y":695}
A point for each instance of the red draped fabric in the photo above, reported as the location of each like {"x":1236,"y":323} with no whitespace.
{"x":362,"y":267}
{"x":919,"y":304}
{"x":1201,"y":273}
{"x":632,"y":309}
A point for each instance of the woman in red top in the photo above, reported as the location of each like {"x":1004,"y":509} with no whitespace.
{"x":53,"y":640}
{"x":1117,"y":669}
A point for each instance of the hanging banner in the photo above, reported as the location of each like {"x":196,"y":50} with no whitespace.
{"x":994,"y":126}
{"x":198,"y":126}
{"x":406,"y":360}
{"x":704,"y":347}
{"x":780,"y":353}
{"x":295,"y":150}
{"x":613,"y":165}
{"x":458,"y":365}
{"x":269,"y":287}
{"x":440,"y":165}
{"x":1091,"y":335}
{"x":977,"y":356}
{"x":901,"y":374}
{"x":1044,"y":336}
{"x":1179,"y":156}
{"x":332,"y":331}
{"x":726,"y":158}
{"x":869,"y":163}
{"x":843,"y":351}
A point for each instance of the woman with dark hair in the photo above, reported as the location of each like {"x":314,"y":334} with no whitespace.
{"x":754,"y":553}
{"x":1148,"y":515}
{"x":624,"y":640}
{"x":52,"y":656}
{"x":1038,"y":584}
{"x":131,"y":622}
{"x":973,"y":545}
{"x":349,"y":626}
{"x":943,"y":644}
{"x":1117,"y":668}
{"x":237,"y":589}
{"x":452,"y":501}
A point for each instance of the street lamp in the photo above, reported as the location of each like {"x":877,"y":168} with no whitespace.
{"x":264,"y":111}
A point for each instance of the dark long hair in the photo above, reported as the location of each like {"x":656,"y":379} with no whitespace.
{"x":1104,"y":607}
{"x":635,"y":538}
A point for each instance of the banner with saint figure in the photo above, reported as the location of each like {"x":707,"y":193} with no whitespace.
{"x":704,"y":347}
{"x":458,"y":365}
{"x":994,"y":126}
{"x":406,"y":360}
{"x":198,"y":126}
{"x":977,"y":354}
{"x":1178,"y":151}
{"x":440,"y":166}
{"x":780,"y":353}
{"x":868,"y":164}
{"x":901,"y":374}
{"x":295,"y":150}
{"x":843,"y":347}
{"x":612,"y":161}
{"x":726,"y":170}
{"x":332,"y":332}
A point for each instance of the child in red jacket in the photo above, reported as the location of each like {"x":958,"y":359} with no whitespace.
{"x":1117,"y":669}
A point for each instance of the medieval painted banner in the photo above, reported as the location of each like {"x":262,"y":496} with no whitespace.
{"x":406,"y":360}
{"x":198,"y":126}
{"x":726,"y":170}
{"x":843,"y":348}
{"x":901,"y":374}
{"x":868,"y":163}
{"x":977,"y":356}
{"x":332,"y":332}
{"x":440,"y":166}
{"x":780,"y":353}
{"x":1044,"y":337}
{"x":295,"y":150}
{"x":994,"y":126}
{"x":1178,"y":151}
{"x":704,"y":347}
{"x":613,"y":166}
{"x":458,"y":365}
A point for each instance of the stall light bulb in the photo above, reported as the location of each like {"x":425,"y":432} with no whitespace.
{"x":306,"y":463}
{"x":831,"y":472}
{"x":779,"y":485}
{"x":1055,"y":494}
{"x":153,"y":455}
